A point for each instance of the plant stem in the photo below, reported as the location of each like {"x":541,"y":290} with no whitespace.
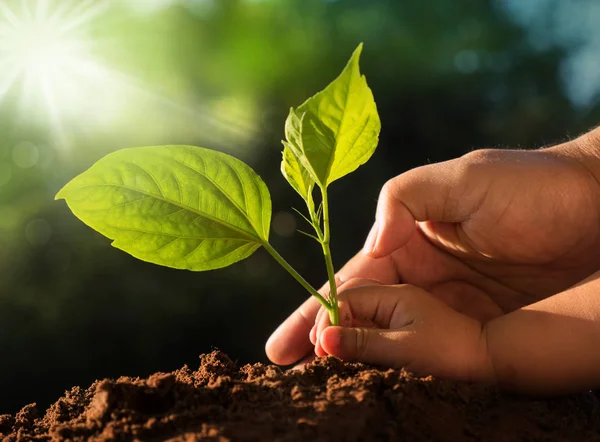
{"x":334,"y":314}
{"x":297,"y":276}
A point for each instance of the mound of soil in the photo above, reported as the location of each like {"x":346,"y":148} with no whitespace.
{"x":328,"y":401}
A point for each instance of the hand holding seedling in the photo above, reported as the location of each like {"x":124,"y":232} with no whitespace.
{"x":490,"y":233}
{"x":402,"y":326}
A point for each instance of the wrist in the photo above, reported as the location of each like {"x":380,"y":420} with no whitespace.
{"x":549,"y":347}
{"x":484,"y":370}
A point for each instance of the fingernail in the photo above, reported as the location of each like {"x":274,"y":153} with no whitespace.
{"x":313,"y":335}
{"x":371,"y":239}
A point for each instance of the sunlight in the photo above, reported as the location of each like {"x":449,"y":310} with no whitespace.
{"x":45,"y":54}
{"x":49,"y":69}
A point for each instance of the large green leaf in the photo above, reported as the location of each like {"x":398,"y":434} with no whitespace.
{"x":336,"y":130}
{"x":179,"y":206}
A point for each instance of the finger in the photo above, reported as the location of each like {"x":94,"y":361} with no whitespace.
{"x":381,"y":307}
{"x":319,"y":350}
{"x":437,"y":192}
{"x":425,"y":336}
{"x":313,"y":331}
{"x":322,"y":310}
{"x":354,"y":283}
{"x":361,"y":266}
{"x":390,"y":306}
{"x":290,"y":341}
{"x":323,"y":321}
{"x":368,"y":345}
{"x":312,"y":336}
{"x":345,"y":315}
{"x":358,"y":282}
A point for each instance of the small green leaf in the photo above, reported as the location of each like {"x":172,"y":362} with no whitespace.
{"x":296,"y":174}
{"x":337,"y":130}
{"x":293,"y":124}
{"x":310,"y":235}
{"x":179,"y":206}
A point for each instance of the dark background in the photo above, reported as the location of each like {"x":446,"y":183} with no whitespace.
{"x":448,"y":77}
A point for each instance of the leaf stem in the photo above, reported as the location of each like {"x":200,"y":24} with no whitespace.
{"x":334,"y":315}
{"x":297,"y":276}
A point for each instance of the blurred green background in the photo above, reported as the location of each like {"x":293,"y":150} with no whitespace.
{"x":79,"y":79}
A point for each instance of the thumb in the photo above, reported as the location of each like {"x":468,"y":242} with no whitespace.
{"x":368,"y":345}
{"x":443,"y":192}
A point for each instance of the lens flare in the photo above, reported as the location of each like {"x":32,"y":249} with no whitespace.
{"x":45,"y":53}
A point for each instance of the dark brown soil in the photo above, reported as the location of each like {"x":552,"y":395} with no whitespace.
{"x":328,"y":401}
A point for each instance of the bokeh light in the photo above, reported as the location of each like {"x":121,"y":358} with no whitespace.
{"x":573,"y":26}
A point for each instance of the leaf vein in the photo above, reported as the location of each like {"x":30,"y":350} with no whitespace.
{"x":151,"y":177}
{"x":191,"y":209}
{"x":205,"y":176}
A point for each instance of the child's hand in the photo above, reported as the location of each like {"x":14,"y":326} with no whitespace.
{"x":404,"y":326}
{"x":550,"y":347}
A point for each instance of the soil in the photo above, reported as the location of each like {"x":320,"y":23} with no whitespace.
{"x":328,"y":401}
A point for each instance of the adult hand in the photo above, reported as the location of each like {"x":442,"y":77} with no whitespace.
{"x":486,"y":233}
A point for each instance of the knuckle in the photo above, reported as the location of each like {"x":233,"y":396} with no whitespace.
{"x":408,"y":296}
{"x":408,"y":290}
{"x":352,"y":282}
{"x":356,"y":282}
{"x":478,"y":156}
{"x":394,"y":186}
{"x":387,"y":191}
{"x":474,"y":163}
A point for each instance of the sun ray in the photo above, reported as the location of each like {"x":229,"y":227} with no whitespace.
{"x":85,"y":12}
{"x":8,"y":79}
{"x":26,"y":11}
{"x":46,"y":57}
{"x":41,"y":10}
{"x":56,"y":15}
{"x":9,"y":15}
{"x":56,"y":126}
{"x":222,"y":122}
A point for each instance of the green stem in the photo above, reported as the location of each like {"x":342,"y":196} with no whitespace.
{"x":297,"y":276}
{"x":334,"y":314}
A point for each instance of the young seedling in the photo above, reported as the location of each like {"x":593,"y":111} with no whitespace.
{"x":193,"y":208}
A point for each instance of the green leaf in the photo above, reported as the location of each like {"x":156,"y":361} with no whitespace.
{"x":179,"y":206}
{"x":337,"y":130}
{"x":296,"y":174}
{"x":293,"y":124}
